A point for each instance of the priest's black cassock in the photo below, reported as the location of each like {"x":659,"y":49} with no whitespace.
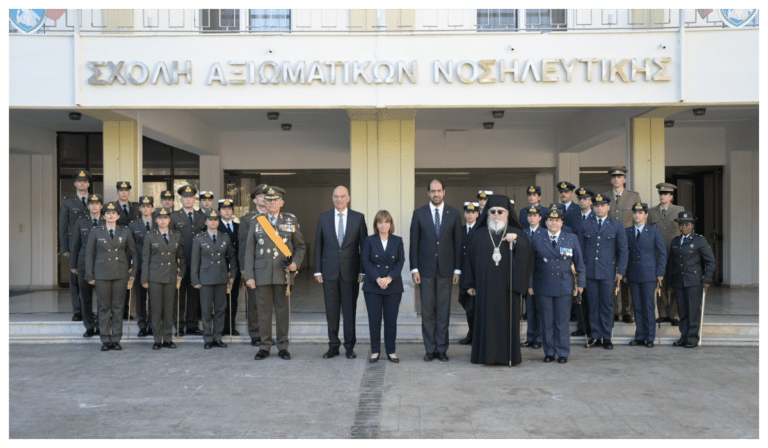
{"x":491,"y":336}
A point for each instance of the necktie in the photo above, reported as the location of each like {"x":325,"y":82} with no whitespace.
{"x":112,"y":234}
{"x":95,"y":223}
{"x":148,"y":229}
{"x":637,"y":235}
{"x":340,"y":235}
{"x":165,"y":236}
{"x":468,"y":229}
{"x":214,"y":238}
{"x":599,"y":224}
{"x":664,"y":212}
{"x":617,"y":197}
{"x":682,"y":240}
{"x":229,"y":227}
{"x":554,"y":240}
{"x":84,"y":204}
{"x":273,"y":220}
{"x":583,"y":217}
{"x":437,"y":221}
{"x":125,"y":209}
{"x":191,"y":220}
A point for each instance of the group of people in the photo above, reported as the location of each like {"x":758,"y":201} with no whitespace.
{"x":192,"y":261}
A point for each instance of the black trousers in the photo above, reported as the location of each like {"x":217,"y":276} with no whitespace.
{"x":468,"y":302}
{"x":86,"y":302}
{"x":435,"y":312}
{"x":583,"y":319}
{"x":74,"y":293}
{"x":341,"y":296}
{"x":689,"y":309}
{"x":390,"y":304}
{"x":189,"y":302}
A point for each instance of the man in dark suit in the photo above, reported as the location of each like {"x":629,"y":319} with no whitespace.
{"x":72,"y":209}
{"x":338,"y":244}
{"x":571,"y":209}
{"x":128,"y":210}
{"x":80,"y":233}
{"x":435,"y":254}
{"x":533,"y":334}
{"x":471,"y":212}
{"x":230,"y":228}
{"x":583,"y":327}
{"x":139,"y":229}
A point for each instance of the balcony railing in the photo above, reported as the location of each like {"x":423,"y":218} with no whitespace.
{"x":423,"y":21}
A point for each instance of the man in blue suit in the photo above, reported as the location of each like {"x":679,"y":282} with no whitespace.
{"x":338,"y":243}
{"x":534,"y":199}
{"x":584,"y":196}
{"x":604,"y":243}
{"x":533,"y":335}
{"x":435,"y":256}
{"x":647,"y":263}
{"x":556,"y":252}
{"x":566,"y":190}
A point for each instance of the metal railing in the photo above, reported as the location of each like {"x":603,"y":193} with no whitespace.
{"x":254,"y":21}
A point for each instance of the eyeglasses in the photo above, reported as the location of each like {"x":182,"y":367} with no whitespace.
{"x":496,"y":212}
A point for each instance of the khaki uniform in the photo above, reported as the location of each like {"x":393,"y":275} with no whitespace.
{"x":209,"y":269}
{"x":621,"y":210}
{"x":251,"y":307}
{"x":669,"y":230}
{"x":161,"y":262}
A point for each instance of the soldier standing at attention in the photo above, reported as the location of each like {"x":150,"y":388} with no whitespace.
{"x":584,"y":196}
{"x":269,"y":272}
{"x":206,"y":201}
{"x":139,"y":228}
{"x":163,"y":262}
{"x":566,"y":192}
{"x":690,"y":268}
{"x":212,"y":252}
{"x":166,"y":199}
{"x":621,"y":211}
{"x":107,"y":267}
{"x":534,"y":199}
{"x":471,"y":212}
{"x":187,"y":222}
{"x":230,"y":228}
{"x":482,"y":198}
{"x":663,"y":216}
{"x":72,"y":209}
{"x":252,"y":314}
{"x":80,"y":233}
{"x":533,"y":334}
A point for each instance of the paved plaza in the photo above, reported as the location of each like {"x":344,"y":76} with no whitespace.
{"x":76,"y":391}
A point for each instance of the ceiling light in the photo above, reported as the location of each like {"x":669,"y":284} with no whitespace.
{"x":488,"y":125}
{"x":273,"y":115}
{"x":669,"y":123}
{"x":75,"y":116}
{"x":699,"y":112}
{"x":498,"y":114}
{"x":286,"y":126}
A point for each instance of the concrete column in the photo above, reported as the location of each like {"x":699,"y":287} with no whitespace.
{"x":211,"y":176}
{"x":647,"y":154}
{"x":122,"y":157}
{"x":44,"y":222}
{"x":547,"y":184}
{"x":567,"y":170}
{"x":383,"y":169}
{"x":742,"y":228}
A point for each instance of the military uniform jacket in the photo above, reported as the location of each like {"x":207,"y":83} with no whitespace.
{"x":264,"y":262}
{"x":105,"y":257}
{"x":209,"y":260}
{"x":80,"y":232}
{"x":692,"y":263}
{"x":133,"y":213}
{"x":524,"y":217}
{"x":647,"y":256}
{"x":621,"y":210}
{"x":138,"y":230}
{"x":72,"y":209}
{"x":180,"y":224}
{"x":570,"y":220}
{"x":552,"y":274}
{"x":606,"y":252}
{"x":161,"y":261}
{"x":666,"y":224}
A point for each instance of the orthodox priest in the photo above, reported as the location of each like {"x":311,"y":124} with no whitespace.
{"x":496,"y":335}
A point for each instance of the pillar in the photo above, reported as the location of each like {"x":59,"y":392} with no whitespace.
{"x":547,"y":184}
{"x":383,"y":170}
{"x":567,"y":170}
{"x":211,"y":176}
{"x":122,"y":157}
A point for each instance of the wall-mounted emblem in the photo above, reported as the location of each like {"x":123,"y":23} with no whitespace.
{"x":736,"y":18}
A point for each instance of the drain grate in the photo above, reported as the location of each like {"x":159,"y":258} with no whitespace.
{"x":367,"y":423}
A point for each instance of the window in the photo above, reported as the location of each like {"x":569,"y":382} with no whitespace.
{"x":496,"y":19}
{"x":220,"y":19}
{"x":270,"y":20}
{"x":545,"y":19}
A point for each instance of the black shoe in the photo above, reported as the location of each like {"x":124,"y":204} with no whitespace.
{"x":116,"y":346}
{"x":608,"y":345}
{"x":105,"y":346}
{"x":527,"y":344}
{"x":96,"y":328}
{"x":636,"y":342}
{"x":284,"y":354}
{"x":537,"y":345}
{"x":219,"y":344}
{"x":578,"y":333}
{"x":649,"y":344}
{"x":77,"y":318}
{"x":208,"y":345}
{"x":329,"y":354}
{"x":691,"y":345}
{"x":429,"y":357}
{"x":256,"y":341}
{"x":562,"y":360}
{"x":261,"y":355}
{"x":373,"y":359}
{"x":442,"y":356}
{"x":180,"y":333}
{"x":90,"y":333}
{"x":627,"y":319}
{"x":234,"y":332}
{"x":525,"y":316}
{"x":156,"y":346}
{"x":615,"y":317}
{"x":149,"y":331}
{"x":679,"y":343}
{"x":666,"y":319}
{"x":351,"y":354}
{"x":674,"y":322}
{"x":142,"y":333}
{"x":659,"y":320}
{"x":593,"y":342}
{"x":169,"y":344}
{"x":393,"y":359}
{"x":194,"y":331}
{"x":549,"y":358}
{"x":466,"y":341}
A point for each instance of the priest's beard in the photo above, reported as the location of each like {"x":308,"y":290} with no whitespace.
{"x":496,"y":226}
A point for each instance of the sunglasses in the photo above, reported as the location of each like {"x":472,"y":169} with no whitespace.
{"x":496,"y":212}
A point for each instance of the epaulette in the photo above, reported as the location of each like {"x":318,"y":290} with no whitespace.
{"x":289,"y":217}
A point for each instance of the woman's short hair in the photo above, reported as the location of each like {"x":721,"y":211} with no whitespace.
{"x":383,"y":215}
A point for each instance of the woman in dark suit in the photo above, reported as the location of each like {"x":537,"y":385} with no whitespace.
{"x":383,"y":257}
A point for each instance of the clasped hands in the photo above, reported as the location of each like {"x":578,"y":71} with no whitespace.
{"x":383,"y":282}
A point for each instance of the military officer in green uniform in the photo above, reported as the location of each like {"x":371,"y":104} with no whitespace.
{"x":108,"y":267}
{"x":162,"y":266}
{"x":139,"y":227}
{"x":252,"y":315}
{"x":206,"y":201}
{"x":166,"y":199}
{"x":211,"y":253}
{"x":72,"y":209}
{"x":663,"y":216}
{"x":80,"y":233}
{"x":268,"y":271}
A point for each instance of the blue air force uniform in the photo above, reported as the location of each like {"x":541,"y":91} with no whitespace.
{"x":533,"y":334}
{"x":647,"y":262}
